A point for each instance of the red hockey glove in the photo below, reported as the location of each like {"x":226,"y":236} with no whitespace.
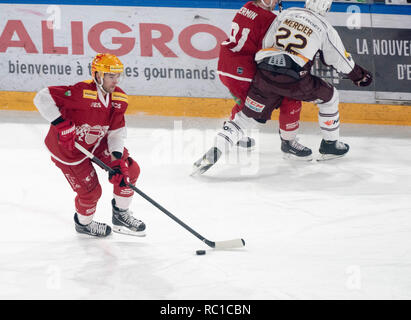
{"x":120,"y":177}
{"x":66,"y":133}
{"x":360,"y":76}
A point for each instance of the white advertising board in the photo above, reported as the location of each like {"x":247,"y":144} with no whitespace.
{"x":166,"y":51}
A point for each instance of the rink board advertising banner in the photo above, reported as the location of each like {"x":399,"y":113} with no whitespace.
{"x":174,"y":51}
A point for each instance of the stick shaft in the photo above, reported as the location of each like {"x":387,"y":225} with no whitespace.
{"x":142,"y":194}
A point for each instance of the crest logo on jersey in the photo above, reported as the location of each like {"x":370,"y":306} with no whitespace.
{"x":254,"y":105}
{"x":90,"y":134}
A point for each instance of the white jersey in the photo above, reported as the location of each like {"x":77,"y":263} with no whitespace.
{"x":301,"y":33}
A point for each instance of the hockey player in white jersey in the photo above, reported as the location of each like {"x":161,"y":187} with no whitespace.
{"x":289,"y":48}
{"x":284,"y":63}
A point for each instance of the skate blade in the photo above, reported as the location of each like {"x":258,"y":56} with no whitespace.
{"x":248,"y":149}
{"x":290,"y":156}
{"x":126,"y":231}
{"x":326,"y":157}
{"x":246,"y":145}
{"x":197,"y":171}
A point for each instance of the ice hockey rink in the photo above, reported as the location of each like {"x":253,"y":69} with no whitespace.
{"x":313,"y":230}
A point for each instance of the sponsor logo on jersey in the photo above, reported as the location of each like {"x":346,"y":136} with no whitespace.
{"x":348,"y":55}
{"x":95,"y":104}
{"x":67,"y":93}
{"x":294,"y":111}
{"x":119,"y":96}
{"x":90,"y":211}
{"x":291,"y":126}
{"x":240,"y":70}
{"x":72,"y":181}
{"x":116,"y":105}
{"x":90,"y":134}
{"x":126,"y":192}
{"x":90,"y":94}
{"x":89,"y":177}
{"x":331,"y":122}
{"x":254,"y":105}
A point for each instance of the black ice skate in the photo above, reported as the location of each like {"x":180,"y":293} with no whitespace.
{"x":94,"y":228}
{"x":296,"y":151}
{"x":125,"y":223}
{"x":332,"y":149}
{"x":246,"y":143}
{"x":206,"y":161}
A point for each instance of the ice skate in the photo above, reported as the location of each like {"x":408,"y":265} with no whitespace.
{"x":125,"y":223}
{"x":246,"y":143}
{"x":294,"y":150}
{"x":332,"y":149}
{"x":94,"y":228}
{"x":206,"y":161}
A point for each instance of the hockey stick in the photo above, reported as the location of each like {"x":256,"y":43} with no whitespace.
{"x":227,"y":244}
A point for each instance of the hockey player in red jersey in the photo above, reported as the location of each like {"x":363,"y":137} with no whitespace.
{"x":237,"y":67}
{"x":284,"y":64}
{"x":91,"y":113}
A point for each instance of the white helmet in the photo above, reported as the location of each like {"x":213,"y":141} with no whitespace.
{"x":270,"y":4}
{"x":319,"y":6}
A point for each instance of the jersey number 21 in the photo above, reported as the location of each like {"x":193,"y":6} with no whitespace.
{"x":235,"y":28}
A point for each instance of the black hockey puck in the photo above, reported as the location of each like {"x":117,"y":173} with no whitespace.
{"x":200,"y":252}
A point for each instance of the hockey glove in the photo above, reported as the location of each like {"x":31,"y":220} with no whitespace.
{"x":66,"y":134}
{"x":360,"y":76}
{"x":120,"y":177}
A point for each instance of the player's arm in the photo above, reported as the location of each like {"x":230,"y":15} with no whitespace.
{"x":115,"y":141}
{"x":46,"y":105}
{"x":47,"y":101}
{"x":334,"y":54}
{"x":269,"y":37}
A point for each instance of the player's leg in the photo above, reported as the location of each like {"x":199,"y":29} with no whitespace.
{"x":228,"y":136}
{"x":329,"y":121}
{"x":311,"y":88}
{"x":258,"y":107}
{"x":238,"y":90}
{"x":84,"y":181}
{"x":327,"y":99}
{"x":289,"y":122}
{"x":123,"y":219}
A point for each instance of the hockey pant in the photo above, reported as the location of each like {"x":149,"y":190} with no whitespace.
{"x":84,"y":181}
{"x":290,"y":109}
{"x":268,"y":88}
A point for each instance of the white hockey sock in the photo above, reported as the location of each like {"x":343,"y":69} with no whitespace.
{"x":122,"y":203}
{"x":329,"y":118}
{"x":288,"y":135}
{"x":84,"y":220}
{"x":233,"y":131}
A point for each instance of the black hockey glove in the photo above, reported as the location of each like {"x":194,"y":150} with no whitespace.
{"x":360,"y":76}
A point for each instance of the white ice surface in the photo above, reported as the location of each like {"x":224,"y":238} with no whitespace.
{"x":333,"y":230}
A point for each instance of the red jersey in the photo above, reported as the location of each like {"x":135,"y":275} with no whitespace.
{"x":93,"y":117}
{"x":248,"y":29}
